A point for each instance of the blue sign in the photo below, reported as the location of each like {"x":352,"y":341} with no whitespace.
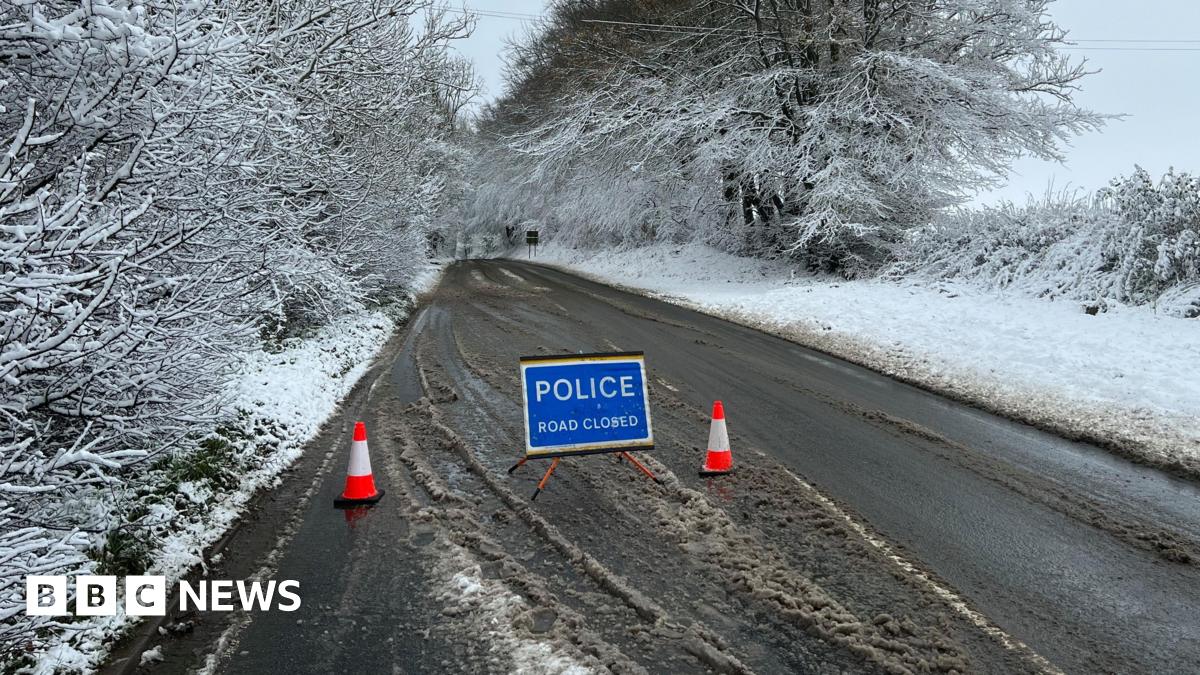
{"x":577,"y":405}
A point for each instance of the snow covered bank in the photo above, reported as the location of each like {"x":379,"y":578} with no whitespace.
{"x":282,"y":398}
{"x":1125,"y":379}
{"x":279,"y":397}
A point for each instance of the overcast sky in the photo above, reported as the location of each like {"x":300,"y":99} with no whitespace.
{"x":1159,"y":90}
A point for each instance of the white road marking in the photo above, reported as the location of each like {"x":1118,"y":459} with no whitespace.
{"x":523,"y":280}
{"x":512,"y":275}
{"x":956,"y":603}
{"x":664,"y":383}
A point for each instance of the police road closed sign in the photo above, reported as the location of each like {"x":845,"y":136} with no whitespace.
{"x":578,"y":405}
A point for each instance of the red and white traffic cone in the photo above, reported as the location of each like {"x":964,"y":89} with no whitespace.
{"x":360,"y":484}
{"x":720,"y":457}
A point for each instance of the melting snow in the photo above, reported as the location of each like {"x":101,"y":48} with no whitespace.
{"x":1126,"y":376}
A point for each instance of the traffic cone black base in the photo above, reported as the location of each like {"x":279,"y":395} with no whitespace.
{"x":343,"y":503}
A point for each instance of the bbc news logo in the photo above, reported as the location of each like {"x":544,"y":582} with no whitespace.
{"x":147,"y":595}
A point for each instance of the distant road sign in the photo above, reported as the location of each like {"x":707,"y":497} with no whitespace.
{"x":531,"y":236}
{"x":584,"y":404}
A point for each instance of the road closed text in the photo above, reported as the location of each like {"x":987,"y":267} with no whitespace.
{"x":48,"y":595}
{"x":588,"y":423}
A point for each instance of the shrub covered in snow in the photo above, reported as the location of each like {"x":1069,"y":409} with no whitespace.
{"x":1157,"y":247}
{"x":1134,"y":242}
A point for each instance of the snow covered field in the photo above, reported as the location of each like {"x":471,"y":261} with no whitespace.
{"x":1126,"y":379}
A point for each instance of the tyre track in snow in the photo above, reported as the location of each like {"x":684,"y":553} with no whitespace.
{"x":779,"y":598}
{"x":869,"y":527}
{"x":1062,"y":546}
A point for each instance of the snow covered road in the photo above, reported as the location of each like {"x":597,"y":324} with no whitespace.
{"x":871,"y":525}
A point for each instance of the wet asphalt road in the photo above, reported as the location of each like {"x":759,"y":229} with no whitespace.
{"x":1078,"y":595}
{"x":1086,"y":558}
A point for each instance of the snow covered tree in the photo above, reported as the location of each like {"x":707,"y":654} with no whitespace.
{"x":174,"y":174}
{"x":1157,"y":243}
{"x":812,"y":128}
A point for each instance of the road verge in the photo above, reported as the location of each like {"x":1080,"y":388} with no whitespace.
{"x":175,"y":522}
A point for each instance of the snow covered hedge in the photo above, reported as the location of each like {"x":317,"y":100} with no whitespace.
{"x":1135,"y":242}
{"x":179,"y":181}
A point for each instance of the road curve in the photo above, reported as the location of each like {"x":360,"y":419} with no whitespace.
{"x":871,"y":526}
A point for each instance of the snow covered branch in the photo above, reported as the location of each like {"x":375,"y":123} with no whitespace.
{"x":813,"y":130}
{"x":177,"y":178}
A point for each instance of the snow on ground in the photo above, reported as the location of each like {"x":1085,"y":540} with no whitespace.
{"x":1126,"y":379}
{"x":290,"y":392}
{"x":497,"y":615}
{"x":293,"y":392}
{"x":295,"y":389}
{"x":300,"y":386}
{"x":427,"y":277}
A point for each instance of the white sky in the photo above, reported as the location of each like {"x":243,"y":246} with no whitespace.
{"x":492,"y":33}
{"x":1159,"y":90}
